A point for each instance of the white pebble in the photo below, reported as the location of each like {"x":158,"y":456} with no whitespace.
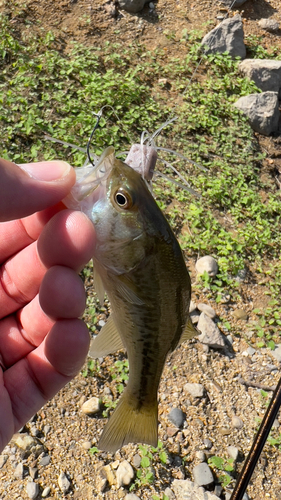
{"x":32,"y":490}
{"x":208,"y":264}
{"x":237,"y":422}
{"x":91,"y":406}
{"x":63,"y":482}
{"x":124,"y":474}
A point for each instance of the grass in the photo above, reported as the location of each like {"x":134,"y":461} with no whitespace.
{"x":237,"y":219}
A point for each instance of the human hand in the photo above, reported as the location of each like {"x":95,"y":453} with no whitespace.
{"x":43,"y":344}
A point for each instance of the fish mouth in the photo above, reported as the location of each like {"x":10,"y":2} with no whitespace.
{"x":91,"y":181}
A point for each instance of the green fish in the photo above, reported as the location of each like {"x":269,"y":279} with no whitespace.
{"x":139,"y":264}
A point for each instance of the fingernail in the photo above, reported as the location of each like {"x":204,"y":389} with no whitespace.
{"x":46,"y":170}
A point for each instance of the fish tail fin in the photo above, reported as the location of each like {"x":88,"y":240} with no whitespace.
{"x":130,"y":424}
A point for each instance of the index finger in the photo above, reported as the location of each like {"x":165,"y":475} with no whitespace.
{"x":17,"y":234}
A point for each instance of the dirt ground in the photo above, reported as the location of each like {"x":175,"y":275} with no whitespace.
{"x":64,"y":433}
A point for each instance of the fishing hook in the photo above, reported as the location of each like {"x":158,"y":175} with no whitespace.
{"x":98,"y":116}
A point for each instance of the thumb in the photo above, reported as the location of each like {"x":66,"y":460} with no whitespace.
{"x":29,"y":188}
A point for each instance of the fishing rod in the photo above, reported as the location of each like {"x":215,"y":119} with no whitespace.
{"x":258,"y":444}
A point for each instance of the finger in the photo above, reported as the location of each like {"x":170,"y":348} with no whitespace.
{"x":68,"y":240}
{"x":16,"y":235}
{"x":62,"y":293}
{"x":20,"y":278}
{"x":38,"y":377}
{"x":32,"y":187}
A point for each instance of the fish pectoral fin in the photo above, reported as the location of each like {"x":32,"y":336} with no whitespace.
{"x":100,"y":291}
{"x":189,"y":331}
{"x":126,"y":291}
{"x":107,"y":341}
{"x":129,"y":424}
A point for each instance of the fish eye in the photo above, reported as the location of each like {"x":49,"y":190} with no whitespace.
{"x":123,"y":199}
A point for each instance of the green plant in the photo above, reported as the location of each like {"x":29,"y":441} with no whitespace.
{"x":149,"y":457}
{"x":93,"y":367}
{"x":222,"y":464}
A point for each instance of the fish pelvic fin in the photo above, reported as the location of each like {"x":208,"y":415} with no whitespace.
{"x":189,"y":331}
{"x":107,"y":341}
{"x":99,"y":286}
{"x":129,"y":424}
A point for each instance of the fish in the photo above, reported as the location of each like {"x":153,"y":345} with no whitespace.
{"x":139,"y":264}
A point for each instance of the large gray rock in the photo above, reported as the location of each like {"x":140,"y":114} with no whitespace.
{"x":228,"y":36}
{"x":266,"y":73}
{"x":203,"y":475}
{"x":132,"y":5}
{"x":187,"y":490}
{"x":262,"y":111}
{"x":211,"y":334}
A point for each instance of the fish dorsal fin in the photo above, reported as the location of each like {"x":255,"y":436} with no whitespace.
{"x":126,"y":291}
{"x":189,"y":331}
{"x":99,"y":286}
{"x":107,"y":341}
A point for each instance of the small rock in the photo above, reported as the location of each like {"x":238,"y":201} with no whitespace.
{"x":249,"y":352}
{"x":218,"y":490}
{"x":192,"y":307}
{"x":19,"y":471}
{"x":63,"y":482}
{"x":277,"y":353}
{"x":24,"y":441}
{"x":176,"y":416}
{"x":3,"y":460}
{"x":240,"y":314}
{"x":275,"y":424}
{"x":195,"y":390}
{"x":46,"y":429}
{"x":46,"y":492}
{"x":168,"y":492}
{"x":200,"y":455}
{"x":269,"y":25}
{"x":211,"y":334}
{"x":187,"y":490}
{"x":207,"y":443}
{"x":124,"y":474}
{"x":32,"y":490}
{"x":151,"y":5}
{"x":207,"y":310}
{"x":131,"y":496}
{"x":86,"y":445}
{"x":136,"y":461}
{"x":132,"y":5}
{"x":233,"y":3}
{"x":33,"y":472}
{"x":233,"y":452}
{"x":203,"y":475}
{"x":194,"y":316}
{"x":208,"y":264}
{"x":45,"y":460}
{"x":91,"y":406}
{"x":237,"y":422}
{"x":224,"y":431}
{"x":172,"y":431}
{"x":109,"y":474}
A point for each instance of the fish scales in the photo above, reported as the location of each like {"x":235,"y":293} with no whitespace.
{"x":139,"y":263}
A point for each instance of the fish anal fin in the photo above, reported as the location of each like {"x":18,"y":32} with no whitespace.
{"x":129,"y":424}
{"x":189,"y":331}
{"x":107,"y":341}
